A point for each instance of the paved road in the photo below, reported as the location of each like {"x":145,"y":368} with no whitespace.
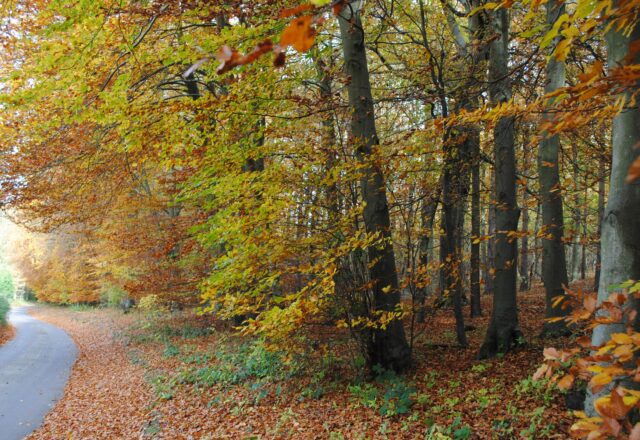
{"x":34,"y":368}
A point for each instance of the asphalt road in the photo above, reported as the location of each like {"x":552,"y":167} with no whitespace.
{"x":34,"y":368}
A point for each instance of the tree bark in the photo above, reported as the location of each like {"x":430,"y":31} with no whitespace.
{"x":524,"y":251}
{"x":491,"y":243}
{"x":554,"y":263}
{"x":620,"y":235}
{"x":428,"y":209}
{"x":476,"y":307}
{"x":504,"y":331}
{"x":388,"y":346}
{"x":455,"y":186}
{"x":601,"y":200}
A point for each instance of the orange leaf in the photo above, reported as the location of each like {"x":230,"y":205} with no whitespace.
{"x":590,"y":302}
{"x":295,"y":11}
{"x":540,"y":372}
{"x":299,"y":33}
{"x":634,"y":171}
{"x":566,"y":382}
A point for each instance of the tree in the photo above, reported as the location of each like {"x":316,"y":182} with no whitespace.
{"x":620,"y":235}
{"x":388,"y":346}
{"x":503,"y":332}
{"x":554,"y":264}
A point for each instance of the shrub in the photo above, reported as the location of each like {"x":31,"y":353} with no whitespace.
{"x":4,"y":309}
{"x":152,"y":305}
{"x":112,"y":295}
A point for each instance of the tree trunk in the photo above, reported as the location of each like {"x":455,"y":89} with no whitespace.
{"x":428,"y":210}
{"x":524,"y":252}
{"x":388,"y":346}
{"x":583,"y":241}
{"x":503,"y":332}
{"x":476,"y":307}
{"x":620,"y":236}
{"x":601,"y":198}
{"x":455,"y":186}
{"x":554,"y":263}
{"x":491,"y":243}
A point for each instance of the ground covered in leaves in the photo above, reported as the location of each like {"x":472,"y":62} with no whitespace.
{"x":6,"y":333}
{"x":181,"y":376}
{"x":107,"y":396}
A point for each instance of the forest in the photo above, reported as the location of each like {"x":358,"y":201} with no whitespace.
{"x":416,"y":217}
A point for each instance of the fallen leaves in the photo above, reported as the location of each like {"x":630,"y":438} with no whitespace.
{"x":7,"y":332}
{"x":106,"y":396}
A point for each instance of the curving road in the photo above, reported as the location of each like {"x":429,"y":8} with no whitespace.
{"x":34,"y":368}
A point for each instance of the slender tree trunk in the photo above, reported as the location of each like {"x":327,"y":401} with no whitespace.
{"x":476,"y":307}
{"x":428,"y":209}
{"x":620,"y":239}
{"x":601,"y":199}
{"x":455,"y":186}
{"x":504,"y":331}
{"x":524,"y":252}
{"x":491,"y":243}
{"x":535,"y":273}
{"x":583,"y":241}
{"x":554,"y":263}
{"x":388,"y":347}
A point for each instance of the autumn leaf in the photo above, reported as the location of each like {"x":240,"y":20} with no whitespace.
{"x":600,"y":380}
{"x":566,"y":382}
{"x":300,"y":34}
{"x":634,"y":171}
{"x":295,"y":11}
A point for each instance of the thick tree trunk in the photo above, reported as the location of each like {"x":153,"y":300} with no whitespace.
{"x":503,"y":332}
{"x":620,"y":235}
{"x":388,"y":346}
{"x":554,"y":264}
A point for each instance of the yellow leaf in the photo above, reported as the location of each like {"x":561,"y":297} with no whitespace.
{"x":601,"y":379}
{"x":621,"y":338}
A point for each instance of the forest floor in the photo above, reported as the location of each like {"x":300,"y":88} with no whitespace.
{"x":7,"y":332}
{"x":156,"y":377}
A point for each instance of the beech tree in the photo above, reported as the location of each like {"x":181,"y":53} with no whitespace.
{"x":388,"y":346}
{"x":554,"y":264}
{"x":503,"y":332}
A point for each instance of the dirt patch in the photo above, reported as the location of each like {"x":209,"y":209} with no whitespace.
{"x":106,"y":397}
